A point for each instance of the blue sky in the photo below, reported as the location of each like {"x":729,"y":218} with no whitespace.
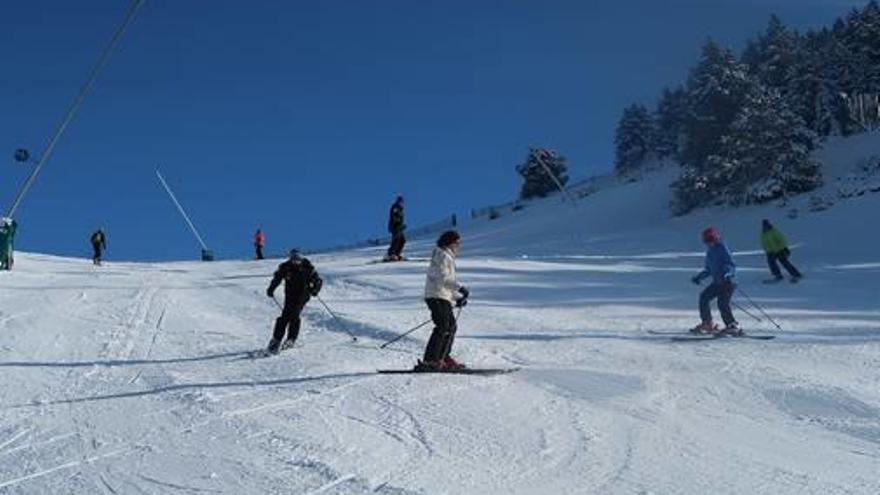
{"x":308,"y":117}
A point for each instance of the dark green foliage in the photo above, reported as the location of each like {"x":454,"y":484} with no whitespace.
{"x":634,"y":139}
{"x":764,"y":156}
{"x":672,"y":108}
{"x":716,"y":89}
{"x":771,"y":57}
{"x":749,"y":126}
{"x":537,"y":170}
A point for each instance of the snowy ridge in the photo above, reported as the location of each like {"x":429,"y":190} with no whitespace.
{"x":133,"y":378}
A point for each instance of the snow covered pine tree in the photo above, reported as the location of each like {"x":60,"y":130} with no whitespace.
{"x":538,"y":183}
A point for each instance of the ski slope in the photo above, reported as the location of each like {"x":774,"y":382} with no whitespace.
{"x":132,"y":378}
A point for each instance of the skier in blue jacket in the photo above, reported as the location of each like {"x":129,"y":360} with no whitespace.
{"x":720,"y":266}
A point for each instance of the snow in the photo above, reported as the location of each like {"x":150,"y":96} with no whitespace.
{"x":132,"y":377}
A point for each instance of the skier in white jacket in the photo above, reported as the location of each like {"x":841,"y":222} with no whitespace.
{"x":442,"y":291}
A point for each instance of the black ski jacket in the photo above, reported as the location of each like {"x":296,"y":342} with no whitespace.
{"x":395,"y":219}
{"x":98,"y":240}
{"x":301,"y":281}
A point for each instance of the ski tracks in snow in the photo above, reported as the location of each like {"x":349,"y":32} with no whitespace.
{"x":125,"y":327}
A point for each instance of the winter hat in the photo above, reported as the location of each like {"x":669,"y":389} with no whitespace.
{"x":766,"y":225}
{"x":711,"y":234}
{"x":295,"y":254}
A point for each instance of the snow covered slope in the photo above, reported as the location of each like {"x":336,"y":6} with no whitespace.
{"x":133,"y":378}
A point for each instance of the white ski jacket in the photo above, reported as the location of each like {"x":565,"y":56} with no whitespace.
{"x":441,"y":282}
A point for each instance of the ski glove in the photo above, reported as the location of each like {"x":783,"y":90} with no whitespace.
{"x":270,"y":293}
{"x":465,"y":293}
{"x":461,"y":302}
{"x":696,"y":279}
{"x":317,"y":283}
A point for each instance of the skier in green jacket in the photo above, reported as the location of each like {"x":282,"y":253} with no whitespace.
{"x":777,"y":252}
{"x":7,"y":238}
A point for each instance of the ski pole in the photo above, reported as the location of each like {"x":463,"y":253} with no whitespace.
{"x":278,"y":303}
{"x":411,"y":330}
{"x":338,"y":320}
{"x":744,"y":310}
{"x":753,"y":303}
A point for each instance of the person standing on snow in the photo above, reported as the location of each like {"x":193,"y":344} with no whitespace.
{"x":99,"y":244}
{"x":301,"y":282}
{"x":8,"y":227}
{"x":442,"y":291}
{"x":396,"y":228}
{"x":720,"y":266}
{"x":259,"y":242}
{"x":777,"y":251}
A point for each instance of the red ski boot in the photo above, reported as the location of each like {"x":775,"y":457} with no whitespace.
{"x":450,"y":364}
{"x":705,"y":328}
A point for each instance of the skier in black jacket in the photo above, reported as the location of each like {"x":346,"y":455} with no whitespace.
{"x":99,"y":244}
{"x":396,"y":228}
{"x":301,"y":282}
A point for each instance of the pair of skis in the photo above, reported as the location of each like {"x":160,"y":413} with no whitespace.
{"x":264,"y":353}
{"x":771,"y":281}
{"x":462,"y":371}
{"x":694,"y":337}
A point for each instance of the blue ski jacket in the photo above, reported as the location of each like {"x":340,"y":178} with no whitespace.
{"x":719,"y":264}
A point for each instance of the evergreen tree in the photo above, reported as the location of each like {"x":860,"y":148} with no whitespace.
{"x":765,"y":156}
{"x":633,"y":138}
{"x":771,"y":57}
{"x":861,"y":36}
{"x":768,"y":151}
{"x":715,"y":90}
{"x":841,"y":76}
{"x":805,"y":82}
{"x":668,"y":118}
{"x":537,"y":181}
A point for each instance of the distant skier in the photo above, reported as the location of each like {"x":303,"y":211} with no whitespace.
{"x":442,"y":291}
{"x":777,"y":251}
{"x":720,"y":266}
{"x":396,"y":227}
{"x":301,"y":282}
{"x":99,"y":244}
{"x":259,"y":242}
{"x":8,"y":227}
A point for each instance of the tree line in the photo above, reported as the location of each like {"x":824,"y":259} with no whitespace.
{"x":742,"y":128}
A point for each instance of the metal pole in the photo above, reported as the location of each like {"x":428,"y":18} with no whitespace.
{"x":182,"y":212}
{"x":744,"y":310}
{"x":338,"y":320}
{"x":77,"y":103}
{"x":753,"y":303}
{"x":413,"y":329}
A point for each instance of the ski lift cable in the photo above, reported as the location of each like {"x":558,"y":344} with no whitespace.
{"x":77,"y":103}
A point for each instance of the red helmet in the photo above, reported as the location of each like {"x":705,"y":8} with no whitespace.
{"x":711,"y":234}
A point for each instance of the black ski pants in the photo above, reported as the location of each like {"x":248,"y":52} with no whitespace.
{"x":259,"y":251}
{"x":440,"y":343}
{"x":96,"y":256}
{"x":290,"y":321}
{"x":781,"y":257}
{"x":398,"y":240}
{"x":724,"y":293}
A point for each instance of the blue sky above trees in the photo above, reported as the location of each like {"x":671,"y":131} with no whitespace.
{"x":308,"y":118}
